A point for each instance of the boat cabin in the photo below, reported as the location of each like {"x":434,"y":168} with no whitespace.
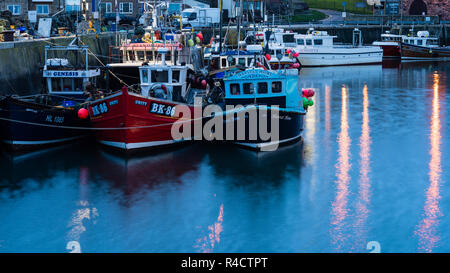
{"x":243,"y":58}
{"x":422,"y":39}
{"x":263,"y":87}
{"x":64,"y":78}
{"x":314,"y":38}
{"x":164,"y":81}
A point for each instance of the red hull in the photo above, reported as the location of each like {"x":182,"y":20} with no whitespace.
{"x":143,"y":126}
{"x":391,"y":51}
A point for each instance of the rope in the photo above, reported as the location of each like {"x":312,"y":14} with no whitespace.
{"x":94,"y":129}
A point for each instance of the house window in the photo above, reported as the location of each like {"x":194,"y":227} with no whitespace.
{"x":262,"y":88}
{"x":126,"y":7}
{"x":235,"y":89}
{"x":276,"y":87}
{"x":42,"y":9}
{"x":248,"y":88}
{"x":106,"y":7}
{"x":14,"y":9}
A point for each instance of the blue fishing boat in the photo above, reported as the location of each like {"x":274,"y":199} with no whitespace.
{"x":262,"y":108}
{"x":53,"y":117}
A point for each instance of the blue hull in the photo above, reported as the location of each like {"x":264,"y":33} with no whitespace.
{"x":39,"y":125}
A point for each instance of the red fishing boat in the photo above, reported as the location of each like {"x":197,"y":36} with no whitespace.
{"x":137,"y":119}
{"x":390,"y":43}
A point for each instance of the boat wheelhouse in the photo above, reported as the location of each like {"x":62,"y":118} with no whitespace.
{"x":316,"y":48}
{"x":390,"y":43}
{"x":65,"y":79}
{"x":170,"y":79}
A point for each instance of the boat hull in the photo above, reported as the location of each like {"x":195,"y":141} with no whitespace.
{"x":422,"y":52}
{"x":290,"y":127}
{"x":130,"y":122}
{"x":310,"y":57}
{"x":28,"y":126}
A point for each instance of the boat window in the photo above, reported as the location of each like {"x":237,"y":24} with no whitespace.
{"x":318,"y":42}
{"x":235,"y":89}
{"x":175,"y":76}
{"x":300,"y":41}
{"x":67,"y":85}
{"x":308,"y":42}
{"x":168,"y":56}
{"x":271,"y":52}
{"x":249,"y":88}
{"x":144,"y":76}
{"x":233,"y":62}
{"x":276,"y":87}
{"x":140,"y":55}
{"x":242,"y":61}
{"x":288,"y":38}
{"x":249,"y":62}
{"x":262,"y":88}
{"x":131,"y":55}
{"x":419,"y":42}
{"x":224,"y":62}
{"x":149,"y":55}
{"x":160,"y":76}
{"x":431,"y":42}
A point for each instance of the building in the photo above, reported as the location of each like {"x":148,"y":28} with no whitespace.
{"x":439,"y":8}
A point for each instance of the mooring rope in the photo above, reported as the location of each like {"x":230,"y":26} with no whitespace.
{"x":95,"y":129}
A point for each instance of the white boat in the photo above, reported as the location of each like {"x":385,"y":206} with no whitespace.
{"x":278,"y":43}
{"x":316,"y":48}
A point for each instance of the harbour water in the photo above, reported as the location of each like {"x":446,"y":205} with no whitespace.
{"x":373,"y":166}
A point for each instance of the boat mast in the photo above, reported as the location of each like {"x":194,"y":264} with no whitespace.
{"x":220,"y":26}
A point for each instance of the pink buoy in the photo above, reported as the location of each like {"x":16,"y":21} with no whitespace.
{"x":296,"y":54}
{"x":83,"y":113}
{"x":204,"y":83}
{"x":268,"y":57}
{"x":296,"y":65}
{"x":288,"y":51}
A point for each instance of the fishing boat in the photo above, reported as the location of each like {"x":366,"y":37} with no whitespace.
{"x":263,"y":94}
{"x":390,"y":43}
{"x":423,"y":46}
{"x":316,"y":48}
{"x":50,"y":118}
{"x":278,"y":43}
{"x":124,"y":60}
{"x":134,"y":119}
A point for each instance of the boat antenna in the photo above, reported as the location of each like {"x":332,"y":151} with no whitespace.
{"x":220,"y":26}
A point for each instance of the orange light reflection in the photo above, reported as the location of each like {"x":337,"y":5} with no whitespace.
{"x":339,"y":206}
{"x":427,"y":229}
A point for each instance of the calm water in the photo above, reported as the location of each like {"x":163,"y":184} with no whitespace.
{"x":374,"y":166}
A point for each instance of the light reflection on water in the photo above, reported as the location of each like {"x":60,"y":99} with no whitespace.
{"x":363,"y":202}
{"x":428,"y":228}
{"x":372,"y":167}
{"x":339,"y":206}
